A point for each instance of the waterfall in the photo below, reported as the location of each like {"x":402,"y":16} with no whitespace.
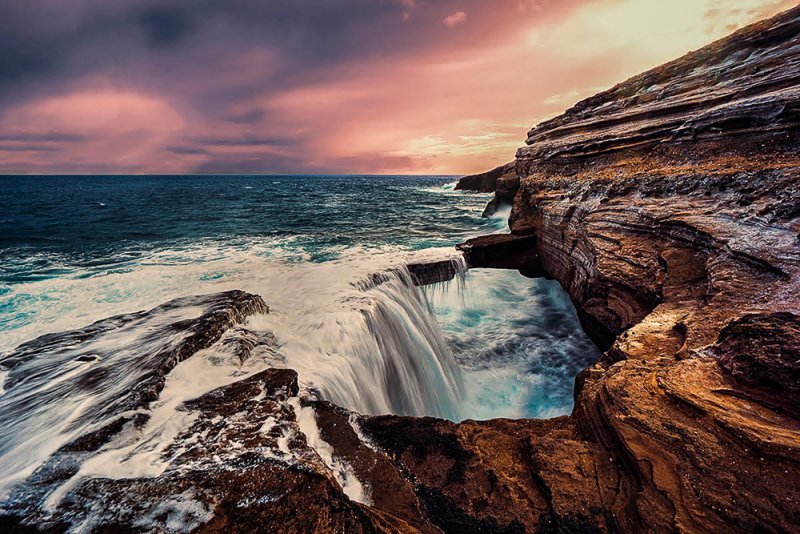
{"x":359,"y":333}
{"x":407,"y":354}
{"x":381,"y":352}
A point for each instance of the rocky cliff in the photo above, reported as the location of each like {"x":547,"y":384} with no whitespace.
{"x":669,"y":209}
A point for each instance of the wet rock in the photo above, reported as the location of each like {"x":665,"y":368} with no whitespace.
{"x":433,"y":272}
{"x":486,"y":182}
{"x":506,"y":188}
{"x":387,"y":488}
{"x":763,"y":349}
{"x":120,"y":364}
{"x":243,"y":465}
{"x":418,"y":273}
{"x":667,"y":209}
{"x":502,"y":181}
{"x":503,"y":251}
{"x":498,"y":476}
{"x":161,"y":338}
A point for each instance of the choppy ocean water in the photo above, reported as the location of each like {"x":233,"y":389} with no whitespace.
{"x":77,"y":249}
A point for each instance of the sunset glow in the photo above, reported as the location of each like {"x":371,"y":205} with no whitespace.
{"x":362,"y":86}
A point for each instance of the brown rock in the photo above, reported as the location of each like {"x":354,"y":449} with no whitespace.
{"x":763,"y":349}
{"x":486,"y":182}
{"x":667,"y":207}
{"x":502,"y":181}
{"x":503,"y":251}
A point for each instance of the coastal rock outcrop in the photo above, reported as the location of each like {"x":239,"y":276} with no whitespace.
{"x":486,"y":182}
{"x":118,"y":365}
{"x":668,"y":209}
{"x":502,"y":181}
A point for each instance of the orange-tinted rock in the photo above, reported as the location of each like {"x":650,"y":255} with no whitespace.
{"x":486,"y":182}
{"x":668,"y":208}
{"x":695,"y":297}
{"x":763,"y":349}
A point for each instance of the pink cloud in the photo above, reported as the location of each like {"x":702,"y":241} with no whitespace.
{"x":455,"y":19}
{"x":428,"y":102}
{"x":122,"y":129}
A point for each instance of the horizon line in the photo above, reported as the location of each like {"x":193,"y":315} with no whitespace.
{"x":277,"y":174}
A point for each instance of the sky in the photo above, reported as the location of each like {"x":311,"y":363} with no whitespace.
{"x":318,"y":86}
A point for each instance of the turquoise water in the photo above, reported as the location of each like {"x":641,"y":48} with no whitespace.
{"x":76,"y":249}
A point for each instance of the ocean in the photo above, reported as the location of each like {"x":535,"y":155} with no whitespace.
{"x":76,"y":249}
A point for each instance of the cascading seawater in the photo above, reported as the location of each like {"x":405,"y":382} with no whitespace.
{"x":369,"y":343}
{"x":381,"y":351}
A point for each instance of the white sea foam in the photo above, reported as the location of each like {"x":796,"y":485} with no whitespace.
{"x":362,"y":437}
{"x":142,"y":453}
{"x":342,"y":471}
{"x":181,"y":513}
{"x":448,"y":189}
{"x":377,"y":350}
{"x":44,"y":409}
{"x":330,"y":330}
{"x":372,"y":347}
{"x":518,"y":342}
{"x":3,"y":378}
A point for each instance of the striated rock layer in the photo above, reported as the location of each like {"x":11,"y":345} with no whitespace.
{"x":669,"y":209}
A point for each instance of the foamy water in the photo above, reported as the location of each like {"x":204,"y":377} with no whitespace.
{"x":489,"y":344}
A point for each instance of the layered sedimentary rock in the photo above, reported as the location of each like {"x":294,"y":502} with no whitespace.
{"x":669,"y":209}
{"x":502,"y":181}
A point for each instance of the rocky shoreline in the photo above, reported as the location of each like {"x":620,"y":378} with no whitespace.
{"x":667,"y":207}
{"x":502,"y":181}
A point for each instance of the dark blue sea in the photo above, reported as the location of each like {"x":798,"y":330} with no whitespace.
{"x":75,"y":249}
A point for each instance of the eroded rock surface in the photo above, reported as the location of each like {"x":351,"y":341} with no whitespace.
{"x":667,"y":207}
{"x":244,"y":465}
